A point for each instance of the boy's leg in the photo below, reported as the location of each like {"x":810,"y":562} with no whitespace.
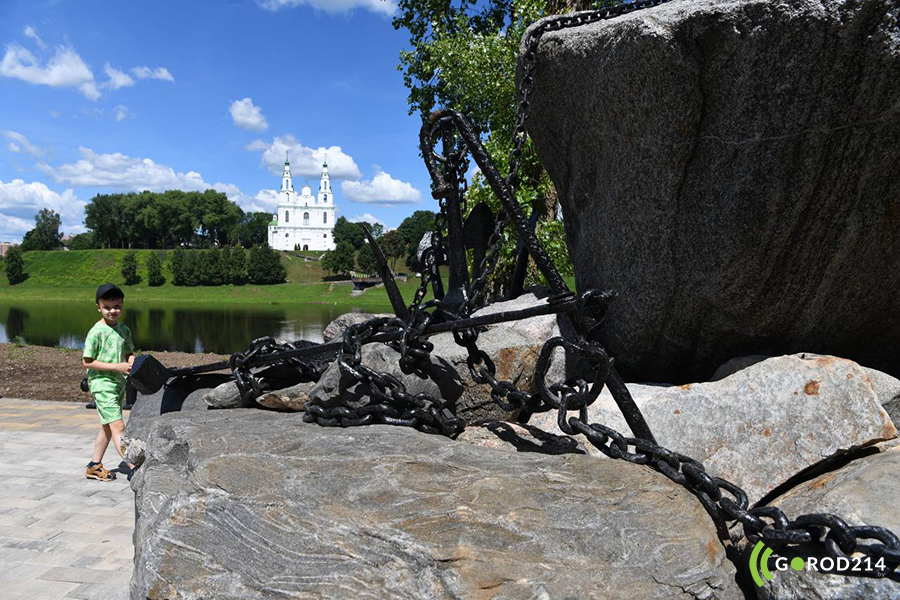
{"x":101,"y":443}
{"x":116,"y":428}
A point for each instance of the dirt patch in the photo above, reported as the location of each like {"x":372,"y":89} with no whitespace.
{"x":42,"y":373}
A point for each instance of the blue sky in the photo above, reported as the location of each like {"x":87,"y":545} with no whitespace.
{"x":107,"y":96}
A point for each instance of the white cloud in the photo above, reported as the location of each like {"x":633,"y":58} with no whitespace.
{"x":157,"y":73}
{"x":123,"y":172}
{"x":385,"y":7}
{"x":248,"y":116}
{"x":20,"y":201}
{"x":367,"y":218}
{"x":117,"y":79}
{"x":64,"y":69}
{"x":20,"y":144}
{"x":122,"y":113}
{"x":305,"y":162}
{"x":31,"y":33}
{"x":383,"y":189}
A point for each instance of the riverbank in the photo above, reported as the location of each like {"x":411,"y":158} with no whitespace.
{"x":43,"y":373}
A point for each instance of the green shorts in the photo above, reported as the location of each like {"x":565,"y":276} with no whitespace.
{"x":109,"y":404}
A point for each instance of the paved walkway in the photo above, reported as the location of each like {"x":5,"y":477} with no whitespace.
{"x":61,"y":535}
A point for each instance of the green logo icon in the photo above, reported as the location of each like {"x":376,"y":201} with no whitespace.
{"x":760,"y":564}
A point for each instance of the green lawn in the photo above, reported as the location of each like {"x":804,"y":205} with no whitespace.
{"x":75,"y":275}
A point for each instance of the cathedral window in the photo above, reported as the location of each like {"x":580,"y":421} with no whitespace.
{"x":325,"y":236}
{"x":287,"y":217}
{"x":325,"y":218}
{"x":306,"y":218}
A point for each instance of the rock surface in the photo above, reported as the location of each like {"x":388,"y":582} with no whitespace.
{"x":253,"y":504}
{"x":864,"y":492}
{"x":729,"y":167}
{"x":183,"y":396}
{"x":761,"y":425}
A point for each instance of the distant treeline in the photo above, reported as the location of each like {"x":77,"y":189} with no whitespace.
{"x":169,"y":219}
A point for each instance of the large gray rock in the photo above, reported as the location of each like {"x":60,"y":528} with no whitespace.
{"x":730,"y":168}
{"x":250,"y":504}
{"x":864,"y":492}
{"x":182,"y":395}
{"x":761,"y":425}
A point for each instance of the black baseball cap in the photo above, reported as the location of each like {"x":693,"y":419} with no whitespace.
{"x":109,"y":289}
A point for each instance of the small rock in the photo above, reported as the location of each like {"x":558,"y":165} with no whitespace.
{"x":336,"y":328}
{"x":291,"y":398}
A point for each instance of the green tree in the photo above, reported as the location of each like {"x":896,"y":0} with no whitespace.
{"x":82,"y":241}
{"x":411,"y":231}
{"x":393,"y":247}
{"x":154,"y":270}
{"x":340,"y":260}
{"x":265,"y":266}
{"x":464,"y":56}
{"x":365,"y":260}
{"x":177,"y":260}
{"x":252,"y":229}
{"x":352,"y":233}
{"x":214,"y":268}
{"x":15,"y":266}
{"x":129,"y":269}
{"x":237,"y":266}
{"x":192,"y":267}
{"x":45,"y":235}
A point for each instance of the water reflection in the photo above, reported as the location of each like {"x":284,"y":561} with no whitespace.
{"x":184,"y":328}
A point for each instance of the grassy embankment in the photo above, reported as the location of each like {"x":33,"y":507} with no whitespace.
{"x":75,"y":275}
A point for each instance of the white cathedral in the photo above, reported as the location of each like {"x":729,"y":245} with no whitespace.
{"x":303,"y":221}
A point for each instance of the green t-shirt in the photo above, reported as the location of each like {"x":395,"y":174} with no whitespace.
{"x":109,"y":345}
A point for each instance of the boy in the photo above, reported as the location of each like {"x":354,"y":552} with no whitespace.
{"x":108,"y":354}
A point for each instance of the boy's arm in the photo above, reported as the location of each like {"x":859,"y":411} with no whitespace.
{"x":96,"y":365}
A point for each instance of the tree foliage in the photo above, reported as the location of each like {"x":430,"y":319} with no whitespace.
{"x":82,"y":241}
{"x":129,"y":269}
{"x":339,"y":261}
{"x":393,"y":247}
{"x":163,"y":220}
{"x":237,"y":266}
{"x":45,"y":235}
{"x":352,"y":233}
{"x":464,"y":56}
{"x":411,"y":231}
{"x":365,"y":260}
{"x":252,"y":229}
{"x":265,"y":266}
{"x":154,"y":270}
{"x":15,"y":266}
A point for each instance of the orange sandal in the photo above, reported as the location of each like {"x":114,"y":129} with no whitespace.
{"x":99,"y":473}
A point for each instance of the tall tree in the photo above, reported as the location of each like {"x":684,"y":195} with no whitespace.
{"x":393,"y":246}
{"x":154,"y":270}
{"x":411,"y":231}
{"x":45,"y":235}
{"x":15,"y":266}
{"x":237,"y":266}
{"x":365,"y":260}
{"x":129,"y":268}
{"x":82,"y":241}
{"x":265,"y":266}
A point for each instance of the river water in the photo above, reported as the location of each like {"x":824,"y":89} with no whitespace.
{"x":184,"y":328}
